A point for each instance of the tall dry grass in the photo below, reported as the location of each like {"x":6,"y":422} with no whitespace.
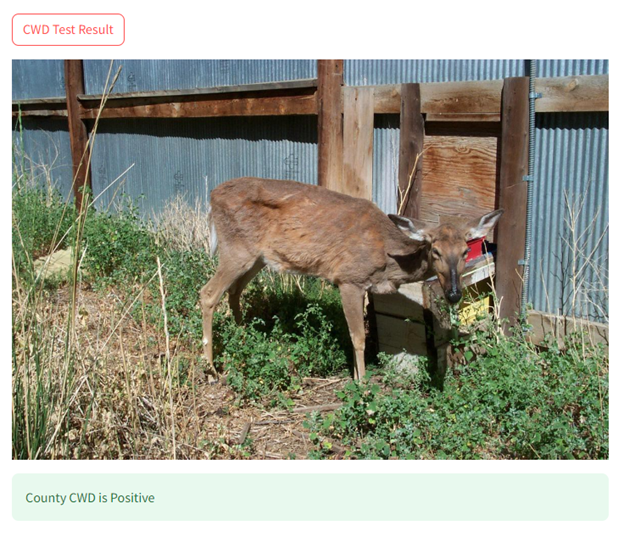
{"x":101,"y":376}
{"x":92,"y":377}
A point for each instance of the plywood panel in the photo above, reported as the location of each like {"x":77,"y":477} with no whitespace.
{"x":459,"y":177}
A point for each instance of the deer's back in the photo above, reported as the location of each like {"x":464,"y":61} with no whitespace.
{"x":301,"y":228}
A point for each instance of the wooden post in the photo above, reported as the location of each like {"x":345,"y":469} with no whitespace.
{"x":330,"y":149}
{"x":78,"y":135}
{"x":412,"y":141}
{"x":512,"y":196}
{"x":359,"y":114}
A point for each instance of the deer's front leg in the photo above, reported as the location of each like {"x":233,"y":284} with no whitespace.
{"x":353,"y":306}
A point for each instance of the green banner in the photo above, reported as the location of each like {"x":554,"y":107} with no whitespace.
{"x":311,"y":497}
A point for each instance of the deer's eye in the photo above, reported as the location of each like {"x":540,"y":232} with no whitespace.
{"x":436,"y":252}
{"x":465,"y":254}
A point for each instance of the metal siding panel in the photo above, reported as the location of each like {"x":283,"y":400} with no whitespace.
{"x":190,"y":157}
{"x":572,"y":162}
{"x":373,"y":72}
{"x":153,"y":75}
{"x":45,"y":78}
{"x":36,"y":79}
{"x":554,"y":68}
{"x":386,"y":162}
{"x":42,"y":151}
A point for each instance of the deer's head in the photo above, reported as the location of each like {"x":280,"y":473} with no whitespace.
{"x":447,"y":247}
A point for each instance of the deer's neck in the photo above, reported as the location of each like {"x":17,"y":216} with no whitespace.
{"x":403,"y":269}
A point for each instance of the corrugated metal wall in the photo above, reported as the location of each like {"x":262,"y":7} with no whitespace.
{"x":571,"y":241}
{"x":373,"y":72}
{"x":386,"y":161}
{"x":152,"y":75}
{"x":192,"y":156}
{"x":41,"y":150}
{"x":36,"y":79}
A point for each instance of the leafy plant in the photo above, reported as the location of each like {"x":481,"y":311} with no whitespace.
{"x":260,"y":363}
{"x":41,"y":225}
{"x":511,"y":400}
{"x":118,"y":246}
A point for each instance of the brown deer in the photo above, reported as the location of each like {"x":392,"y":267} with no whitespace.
{"x":295,"y":227}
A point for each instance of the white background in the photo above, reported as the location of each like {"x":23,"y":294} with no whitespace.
{"x":321,"y":29}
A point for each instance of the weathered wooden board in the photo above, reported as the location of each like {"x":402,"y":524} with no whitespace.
{"x":47,"y":112}
{"x":472,"y":97}
{"x":559,"y":327}
{"x":330,"y":135}
{"x":573,"y":94}
{"x":181,"y":94}
{"x":209,"y":106}
{"x":462,"y":97}
{"x":398,"y":305}
{"x":479,"y":99}
{"x":412,"y":136}
{"x":588,"y":93}
{"x":357,"y":173}
{"x":78,"y":136}
{"x":459,"y":178}
{"x":464,"y":118}
{"x":388,"y":99}
{"x":511,"y":231}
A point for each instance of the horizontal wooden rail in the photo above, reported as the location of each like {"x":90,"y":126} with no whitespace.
{"x":440,"y":101}
{"x":293,"y":97}
{"x":588,"y":93}
{"x":280,"y":105}
{"x":560,"y":326}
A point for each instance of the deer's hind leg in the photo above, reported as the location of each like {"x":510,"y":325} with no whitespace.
{"x":228,"y":272}
{"x":235,"y":290}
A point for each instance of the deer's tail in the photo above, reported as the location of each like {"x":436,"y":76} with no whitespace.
{"x":213,"y":233}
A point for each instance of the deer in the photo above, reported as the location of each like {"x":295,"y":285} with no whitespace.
{"x":294,"y":227}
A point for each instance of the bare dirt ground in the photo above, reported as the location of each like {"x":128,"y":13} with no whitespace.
{"x":136,"y":413}
{"x":272,"y":433}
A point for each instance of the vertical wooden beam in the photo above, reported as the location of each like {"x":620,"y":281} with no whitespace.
{"x":512,"y":195}
{"x":412,"y":141}
{"x":359,"y":114}
{"x":78,"y":135}
{"x":330,"y":149}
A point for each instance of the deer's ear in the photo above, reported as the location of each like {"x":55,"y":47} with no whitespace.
{"x":412,"y":228}
{"x":482,"y":226}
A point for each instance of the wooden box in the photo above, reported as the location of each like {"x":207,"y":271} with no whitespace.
{"x":410,"y":321}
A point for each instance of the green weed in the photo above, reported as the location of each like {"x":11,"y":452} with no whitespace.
{"x":260,"y":363}
{"x":512,"y":401}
